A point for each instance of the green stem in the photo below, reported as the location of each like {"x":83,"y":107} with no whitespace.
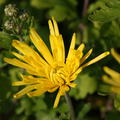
{"x":69,"y":102}
{"x":85,"y":7}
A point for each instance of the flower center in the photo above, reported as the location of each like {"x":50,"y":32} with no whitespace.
{"x":58,"y":75}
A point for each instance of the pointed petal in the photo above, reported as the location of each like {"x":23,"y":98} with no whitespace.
{"x":96,"y":59}
{"x":27,"y":51}
{"x":77,"y":72}
{"x":57,"y":46}
{"x":61,"y":92}
{"x":30,"y":69}
{"x":24,"y":91}
{"x":56,"y":42}
{"x":17,"y":63}
{"x":72,"y":85}
{"x":37,"y":92}
{"x":55,"y":27}
{"x":18,"y":55}
{"x":36,"y":73}
{"x":28,"y":80}
{"x":40,"y":45}
{"x":81,"y":47}
{"x":110,"y":81}
{"x":19,"y":83}
{"x":53,"y":47}
{"x":51,"y":28}
{"x":57,"y":99}
{"x":112,"y":73}
{"x":86,"y":56}
{"x":72,"y":46}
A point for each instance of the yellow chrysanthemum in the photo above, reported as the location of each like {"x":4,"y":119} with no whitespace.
{"x":114,"y":77}
{"x":51,"y":69}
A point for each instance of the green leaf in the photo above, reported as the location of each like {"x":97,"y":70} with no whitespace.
{"x":61,"y":12}
{"x":57,"y":8}
{"x":87,"y":85}
{"x":107,"y":11}
{"x":5,"y":40}
{"x":41,"y":3}
{"x":25,"y":106}
{"x":39,"y":105}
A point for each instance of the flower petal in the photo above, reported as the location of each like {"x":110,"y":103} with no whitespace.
{"x":57,"y":46}
{"x":17,"y":63}
{"x":55,"y":26}
{"x":56,"y":42}
{"x":37,"y":92}
{"x":53,"y":89}
{"x":40,"y":45}
{"x":96,"y":59}
{"x":24,"y":91}
{"x":86,"y":56}
{"x":115,"y":75}
{"x":81,"y":47}
{"x":110,"y":81}
{"x":27,"y":51}
{"x":72,"y":46}
{"x":28,"y":80}
{"x":61,"y":92}
{"x":57,"y":99}
{"x":30,"y":69}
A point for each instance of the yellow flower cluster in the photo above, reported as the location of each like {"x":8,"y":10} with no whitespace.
{"x":114,"y":77}
{"x":49,"y":71}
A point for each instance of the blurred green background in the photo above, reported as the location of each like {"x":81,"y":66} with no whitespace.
{"x":97,"y":24}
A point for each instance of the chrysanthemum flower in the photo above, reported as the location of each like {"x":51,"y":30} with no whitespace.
{"x":49,"y":71}
{"x":114,"y":77}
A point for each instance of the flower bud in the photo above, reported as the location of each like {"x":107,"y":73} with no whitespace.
{"x":10,"y":10}
{"x":9,"y":25}
{"x":24,"y":16}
